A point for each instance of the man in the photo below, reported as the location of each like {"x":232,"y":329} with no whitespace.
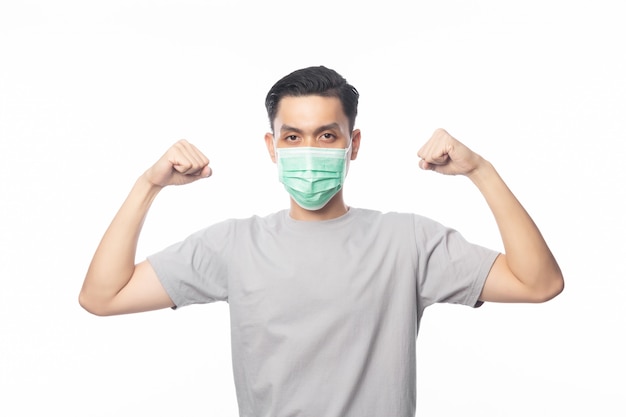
{"x":325,"y":299}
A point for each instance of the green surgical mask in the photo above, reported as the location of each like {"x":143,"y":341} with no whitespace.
{"x":312,"y":176}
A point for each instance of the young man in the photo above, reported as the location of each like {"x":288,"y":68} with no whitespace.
{"x":325,"y":299}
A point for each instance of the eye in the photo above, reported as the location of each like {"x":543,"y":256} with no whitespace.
{"x":327,"y":137}
{"x":291,"y":138}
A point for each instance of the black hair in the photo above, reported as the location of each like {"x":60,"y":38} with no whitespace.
{"x":313,"y":81}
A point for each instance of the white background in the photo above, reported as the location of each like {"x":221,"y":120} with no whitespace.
{"x":91,"y":93}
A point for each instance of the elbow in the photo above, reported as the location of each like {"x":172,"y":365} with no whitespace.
{"x":90,"y":305}
{"x":554,"y":286}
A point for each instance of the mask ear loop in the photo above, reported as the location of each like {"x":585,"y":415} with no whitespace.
{"x":347,"y":158}
{"x":275,"y":141}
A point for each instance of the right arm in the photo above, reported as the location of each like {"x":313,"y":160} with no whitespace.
{"x":114,"y":284}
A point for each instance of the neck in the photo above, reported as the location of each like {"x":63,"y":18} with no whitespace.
{"x":335,"y":208}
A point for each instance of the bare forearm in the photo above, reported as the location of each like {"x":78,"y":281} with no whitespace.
{"x":113,"y":263}
{"x":527,"y":254}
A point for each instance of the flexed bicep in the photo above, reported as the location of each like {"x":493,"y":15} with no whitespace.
{"x":114,"y":284}
{"x":143,"y":292}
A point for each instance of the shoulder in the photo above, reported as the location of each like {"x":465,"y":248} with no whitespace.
{"x":368,"y":215}
{"x":390,"y":224}
{"x":394,"y":217}
{"x":418,"y":228}
{"x":245,"y":225}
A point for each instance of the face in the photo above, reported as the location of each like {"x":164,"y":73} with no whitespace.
{"x":311,"y":121}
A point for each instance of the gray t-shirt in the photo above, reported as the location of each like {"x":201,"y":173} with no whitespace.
{"x":324,"y":315}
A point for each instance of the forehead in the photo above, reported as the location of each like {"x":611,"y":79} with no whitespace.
{"x":310,"y":112}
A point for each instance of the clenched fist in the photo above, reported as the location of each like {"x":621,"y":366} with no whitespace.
{"x":182,"y":164}
{"x":446,"y":155}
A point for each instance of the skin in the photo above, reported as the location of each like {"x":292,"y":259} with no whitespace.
{"x":114,"y":284}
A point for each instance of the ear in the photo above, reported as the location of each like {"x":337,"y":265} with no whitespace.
{"x":269,"y":142}
{"x":356,"y":142}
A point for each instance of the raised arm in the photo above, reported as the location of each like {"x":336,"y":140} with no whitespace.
{"x":114,"y":284}
{"x":527,"y":271}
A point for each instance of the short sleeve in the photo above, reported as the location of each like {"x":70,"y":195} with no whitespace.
{"x":194,"y":270}
{"x":450,"y":269}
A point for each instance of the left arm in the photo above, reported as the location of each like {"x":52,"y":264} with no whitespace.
{"x":527,"y":271}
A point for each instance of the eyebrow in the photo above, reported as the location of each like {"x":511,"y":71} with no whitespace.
{"x":330,"y":126}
